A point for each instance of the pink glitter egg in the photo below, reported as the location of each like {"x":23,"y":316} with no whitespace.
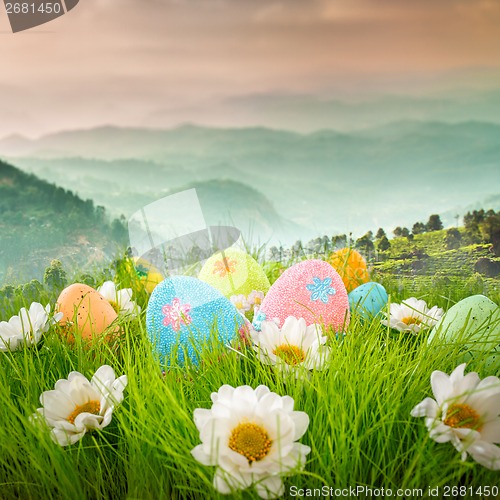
{"x":312,"y":290}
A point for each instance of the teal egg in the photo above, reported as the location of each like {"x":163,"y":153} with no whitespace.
{"x":185,"y":314}
{"x":474,"y":323}
{"x":368,"y":299}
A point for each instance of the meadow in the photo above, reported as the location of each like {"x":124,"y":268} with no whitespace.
{"x":361,"y":433}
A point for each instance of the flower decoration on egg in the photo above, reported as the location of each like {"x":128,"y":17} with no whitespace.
{"x":465,"y":412}
{"x":27,"y":327}
{"x":257,"y":321}
{"x":224,"y":267}
{"x":412,"y":315}
{"x":250,"y":436}
{"x":77,"y":406}
{"x":176,"y":314}
{"x":293,"y":346}
{"x":321,"y":289}
{"x":120,"y":299}
{"x":141,"y":270}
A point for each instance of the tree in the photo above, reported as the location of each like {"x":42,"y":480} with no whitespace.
{"x":380,"y":233}
{"x":490,"y":231}
{"x":339,"y":241}
{"x":471,"y":223}
{"x":405,"y":232}
{"x":434,"y":223}
{"x":397,"y":232}
{"x":365,"y":243}
{"x":297,"y":248}
{"x":383,"y":244}
{"x":453,"y":238}
{"x":55,"y":276}
{"x":418,"y":228}
{"x":119,"y":230}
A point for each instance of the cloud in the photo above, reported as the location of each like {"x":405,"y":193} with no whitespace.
{"x":121,"y":61}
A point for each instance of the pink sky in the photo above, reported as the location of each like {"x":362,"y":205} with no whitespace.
{"x":163,"y":62}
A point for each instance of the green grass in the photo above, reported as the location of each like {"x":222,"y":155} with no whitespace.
{"x":361,"y":432}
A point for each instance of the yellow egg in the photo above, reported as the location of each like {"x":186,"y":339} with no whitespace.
{"x":148,"y":274}
{"x":234,"y":272}
{"x":351,"y":266}
{"x":85,"y":311}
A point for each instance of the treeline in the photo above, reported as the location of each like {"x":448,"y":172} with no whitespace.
{"x":26,"y":200}
{"x":480,"y":226}
{"x":40,"y":221}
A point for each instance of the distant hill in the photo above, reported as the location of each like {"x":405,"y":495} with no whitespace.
{"x":327,"y":182}
{"x":41,"y":221}
{"x":226,"y":202}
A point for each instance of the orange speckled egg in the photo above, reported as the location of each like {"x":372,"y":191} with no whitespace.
{"x":89,"y":312}
{"x":351,"y":266}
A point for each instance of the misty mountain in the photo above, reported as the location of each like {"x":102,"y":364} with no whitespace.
{"x":41,"y":221}
{"x":327,"y":182}
{"x":226,"y":202}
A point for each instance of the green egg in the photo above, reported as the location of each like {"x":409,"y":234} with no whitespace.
{"x":474,"y":323}
{"x":234,"y":272}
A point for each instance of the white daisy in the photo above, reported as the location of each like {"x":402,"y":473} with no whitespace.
{"x":76,"y":405}
{"x":466,"y":412}
{"x":292,"y":346}
{"x":27,"y":327}
{"x":255,"y":298}
{"x":241,"y":303}
{"x":121,"y":300}
{"x":250,"y":436}
{"x":412,"y":315}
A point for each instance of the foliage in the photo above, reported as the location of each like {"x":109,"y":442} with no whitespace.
{"x":484,"y":226}
{"x":434,"y":223}
{"x":365,"y":243}
{"x":418,"y":228}
{"x":453,"y":238}
{"x":383,"y":244}
{"x":62,"y":224}
{"x":55,"y":277}
{"x":360,"y":432}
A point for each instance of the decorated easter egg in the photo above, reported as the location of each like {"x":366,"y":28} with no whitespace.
{"x":85,"y":311}
{"x":234,"y":272}
{"x":184,"y":314}
{"x":148,"y":274}
{"x":368,"y":299}
{"x":473,"y":322}
{"x":351,"y":266}
{"x":312,"y":290}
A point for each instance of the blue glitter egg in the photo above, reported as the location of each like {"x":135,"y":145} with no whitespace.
{"x":368,"y":300}
{"x":184,"y":314}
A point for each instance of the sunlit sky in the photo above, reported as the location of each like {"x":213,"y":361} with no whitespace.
{"x":158,"y":63}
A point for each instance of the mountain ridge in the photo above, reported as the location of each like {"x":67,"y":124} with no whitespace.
{"x":17,"y":144}
{"x":41,"y":222}
{"x":327,"y":181}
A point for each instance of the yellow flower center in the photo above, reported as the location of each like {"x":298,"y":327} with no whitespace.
{"x":462,"y":416}
{"x":93,"y":407}
{"x":258,"y":301}
{"x":410,"y":320}
{"x":239,"y":305}
{"x":114,"y":305}
{"x":251,"y":441}
{"x":290,"y":354}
